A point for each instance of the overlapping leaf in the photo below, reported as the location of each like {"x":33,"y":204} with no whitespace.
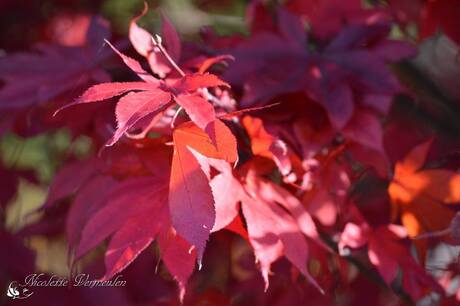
{"x":153,"y":95}
{"x":190,"y":197}
{"x":276,"y":221}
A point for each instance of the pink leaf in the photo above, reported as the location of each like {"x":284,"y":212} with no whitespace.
{"x":106,"y":91}
{"x":353,"y":236}
{"x":200,"y":111}
{"x":226,"y":191}
{"x":262,"y":235}
{"x":270,"y":191}
{"x":135,"y":106}
{"x":142,"y":42}
{"x":190,"y":198}
{"x":140,"y":38}
{"x":273,"y":233}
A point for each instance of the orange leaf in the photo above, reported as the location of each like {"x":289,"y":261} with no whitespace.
{"x":222,"y":146}
{"x":420,"y":195}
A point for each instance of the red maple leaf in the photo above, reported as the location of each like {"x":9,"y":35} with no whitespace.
{"x":190,"y":197}
{"x":151,"y":95}
{"x":276,"y":221}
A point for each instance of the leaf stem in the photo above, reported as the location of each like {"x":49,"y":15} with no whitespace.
{"x":157,"y":42}
{"x":176,"y":114}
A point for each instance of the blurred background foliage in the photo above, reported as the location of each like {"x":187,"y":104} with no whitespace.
{"x":225,"y":16}
{"x":21,"y":27}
